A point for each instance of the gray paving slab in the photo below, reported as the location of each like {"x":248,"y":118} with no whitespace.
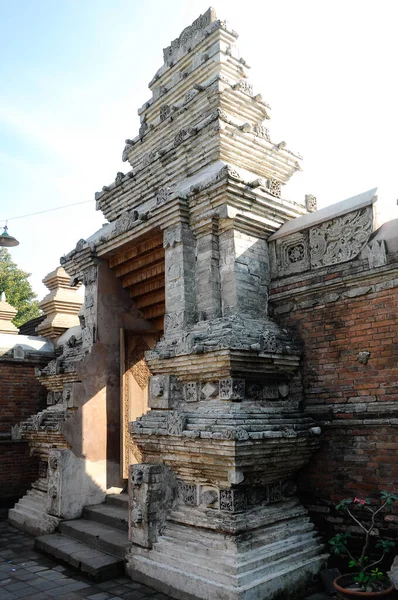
{"x":34,"y":576}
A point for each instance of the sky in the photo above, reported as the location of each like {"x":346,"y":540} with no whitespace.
{"x":74,"y":72}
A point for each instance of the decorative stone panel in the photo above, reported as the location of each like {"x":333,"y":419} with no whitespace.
{"x":232,"y":500}
{"x":232,"y":389}
{"x":340,"y":239}
{"x":292,"y":254}
{"x":152,"y":489}
{"x":164,"y":391}
{"x":188,"y":493}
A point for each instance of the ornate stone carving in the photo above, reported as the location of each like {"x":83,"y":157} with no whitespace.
{"x":137,"y":476}
{"x":232,"y":500}
{"x":254,"y":391}
{"x":148,"y":158}
{"x":296,"y":253}
{"x":125,"y":156}
{"x":261,"y":131}
{"x":183,"y":135}
{"x":175,"y":423}
{"x":191,"y":391}
{"x":187,"y":36}
{"x":340,"y":239}
{"x":119,"y":177}
{"x":164,"y":112}
{"x":244,"y":86}
{"x":228,"y":171}
{"x":310,"y":203}
{"x":209,"y":390}
{"x":164,"y":391}
{"x":275,"y":188}
{"x":139,"y":369}
{"x":270,"y":392}
{"x":376,"y":253}
{"x":232,"y":389}
{"x":172,"y":236}
{"x":143,"y":129}
{"x":187,"y":493}
{"x":292,"y":254}
{"x":163,"y":194}
{"x":53,"y":463}
{"x":241,"y":434}
{"x":275,"y":492}
{"x":136,"y":515}
{"x":268,"y":342}
{"x":190,"y":95}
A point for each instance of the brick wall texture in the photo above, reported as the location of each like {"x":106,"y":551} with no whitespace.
{"x":17,"y":470}
{"x":21,"y":395}
{"x":355,"y":403}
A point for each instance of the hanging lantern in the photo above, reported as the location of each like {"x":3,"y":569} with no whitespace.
{"x":7,"y":240}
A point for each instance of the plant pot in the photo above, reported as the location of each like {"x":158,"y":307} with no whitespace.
{"x":342,"y":581}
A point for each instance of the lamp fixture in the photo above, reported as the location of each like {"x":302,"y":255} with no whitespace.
{"x":7,"y":240}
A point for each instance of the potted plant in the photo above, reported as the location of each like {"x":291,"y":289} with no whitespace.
{"x":367,"y":581}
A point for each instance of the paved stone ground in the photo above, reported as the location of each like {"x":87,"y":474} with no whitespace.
{"x":28,"y":575}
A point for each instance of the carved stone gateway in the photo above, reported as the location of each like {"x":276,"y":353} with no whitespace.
{"x":213,"y":511}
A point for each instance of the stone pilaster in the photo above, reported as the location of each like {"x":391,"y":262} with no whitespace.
{"x":208,"y":269}
{"x":61,"y":305}
{"x":244,"y":271}
{"x":7,"y":313}
{"x":179,"y":244}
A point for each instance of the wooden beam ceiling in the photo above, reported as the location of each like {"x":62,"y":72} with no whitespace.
{"x":141,"y":271}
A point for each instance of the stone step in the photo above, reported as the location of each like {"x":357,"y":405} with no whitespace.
{"x":96,"y":535}
{"x":274,"y":533}
{"x":31,"y":503}
{"x":32,"y":521}
{"x":227,"y":568}
{"x":108,"y":514}
{"x":97,"y":564}
{"x":118,"y":500}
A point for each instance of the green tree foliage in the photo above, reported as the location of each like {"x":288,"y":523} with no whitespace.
{"x":14,"y":283}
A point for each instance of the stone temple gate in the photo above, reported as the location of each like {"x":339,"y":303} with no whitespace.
{"x":175,"y":320}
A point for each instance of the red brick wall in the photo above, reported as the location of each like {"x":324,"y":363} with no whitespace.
{"x":17,"y":470}
{"x":21,"y":395}
{"x":355,"y":404}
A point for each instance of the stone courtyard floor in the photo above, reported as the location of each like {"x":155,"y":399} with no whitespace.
{"x":28,"y":575}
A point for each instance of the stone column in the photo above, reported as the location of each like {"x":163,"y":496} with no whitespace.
{"x":179,"y":244}
{"x":244,"y":271}
{"x":207,"y":269}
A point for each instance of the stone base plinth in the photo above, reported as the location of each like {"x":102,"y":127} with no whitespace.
{"x":273,"y":557}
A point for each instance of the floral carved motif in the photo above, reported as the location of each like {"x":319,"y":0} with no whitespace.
{"x":187,"y":493}
{"x":232,"y":500}
{"x":296,"y":253}
{"x":340,"y":239}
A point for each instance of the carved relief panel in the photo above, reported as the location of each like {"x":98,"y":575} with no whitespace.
{"x":134,"y":389}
